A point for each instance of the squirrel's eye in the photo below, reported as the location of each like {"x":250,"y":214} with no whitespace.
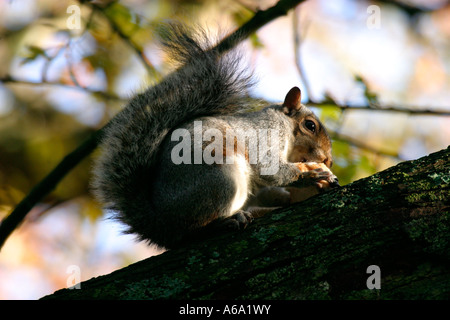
{"x":310,"y":125}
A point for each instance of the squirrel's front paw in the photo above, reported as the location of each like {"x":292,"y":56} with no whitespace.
{"x":330,"y":182}
{"x":318,"y":177}
{"x":315,"y":174}
{"x":333,"y":181}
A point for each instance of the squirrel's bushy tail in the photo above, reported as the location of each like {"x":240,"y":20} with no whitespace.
{"x":206,"y":83}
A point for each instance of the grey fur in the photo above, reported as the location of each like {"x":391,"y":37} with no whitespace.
{"x":135,"y":178}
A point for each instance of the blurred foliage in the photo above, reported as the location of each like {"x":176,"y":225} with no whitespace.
{"x":36,"y":130}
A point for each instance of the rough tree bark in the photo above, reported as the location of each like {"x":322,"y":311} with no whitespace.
{"x":397,"y":219}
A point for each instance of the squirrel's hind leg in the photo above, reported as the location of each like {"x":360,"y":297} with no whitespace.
{"x":214,"y":197}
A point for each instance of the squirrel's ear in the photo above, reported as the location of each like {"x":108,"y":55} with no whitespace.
{"x":292,"y":101}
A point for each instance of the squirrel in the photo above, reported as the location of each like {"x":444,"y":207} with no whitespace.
{"x":174,"y":159}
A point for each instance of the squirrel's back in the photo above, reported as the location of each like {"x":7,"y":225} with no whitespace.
{"x":206,"y":83}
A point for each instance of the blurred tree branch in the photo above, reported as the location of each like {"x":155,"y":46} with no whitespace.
{"x":14,"y":219}
{"x":416,"y":111}
{"x":297,"y":49}
{"x":413,"y":110}
{"x":127,"y":38}
{"x":7,"y":79}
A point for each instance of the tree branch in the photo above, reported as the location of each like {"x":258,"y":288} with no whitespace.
{"x":13,"y":220}
{"x":397,"y":219}
{"x":261,"y":18}
{"x":414,"y":111}
{"x":109,"y":96}
{"x":298,"y":40}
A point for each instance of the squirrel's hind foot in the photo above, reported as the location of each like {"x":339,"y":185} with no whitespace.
{"x":238,"y":221}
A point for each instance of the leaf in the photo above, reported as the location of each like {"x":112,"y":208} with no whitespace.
{"x":127,"y":21}
{"x":370,"y":95}
{"x":242,"y":16}
{"x":33,"y":53}
{"x":255,"y":41}
{"x":330,"y":113}
{"x":329,"y":99}
{"x":350,"y":163}
{"x":90,"y":209}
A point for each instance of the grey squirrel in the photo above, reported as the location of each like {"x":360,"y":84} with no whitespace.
{"x":164,"y":184}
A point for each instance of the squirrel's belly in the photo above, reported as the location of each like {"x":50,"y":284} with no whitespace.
{"x":240,"y":176}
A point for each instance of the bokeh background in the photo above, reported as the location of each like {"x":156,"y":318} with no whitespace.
{"x":377,"y":73}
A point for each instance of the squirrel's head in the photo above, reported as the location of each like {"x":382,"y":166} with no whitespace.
{"x":311,"y":140}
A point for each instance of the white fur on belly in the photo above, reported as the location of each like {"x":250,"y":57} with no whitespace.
{"x":241,"y":172}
